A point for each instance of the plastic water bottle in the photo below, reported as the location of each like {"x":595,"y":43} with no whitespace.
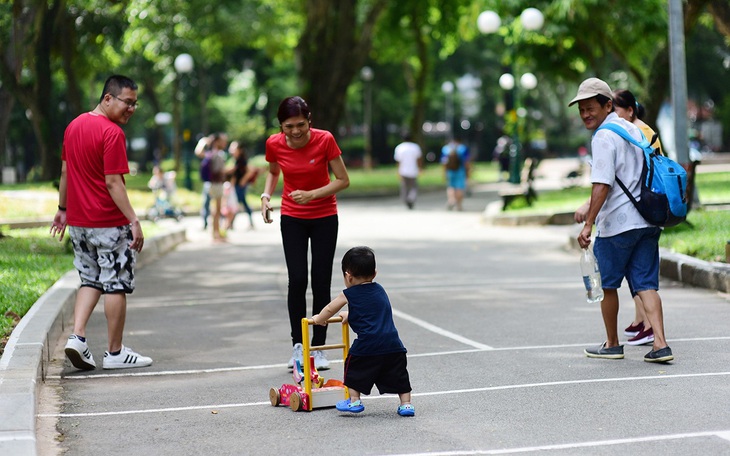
{"x":591,"y":276}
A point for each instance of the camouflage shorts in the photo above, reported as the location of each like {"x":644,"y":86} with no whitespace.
{"x":103,"y":258}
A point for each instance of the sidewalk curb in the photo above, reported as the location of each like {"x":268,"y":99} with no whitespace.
{"x":686,"y":269}
{"x":674,"y":266}
{"x":23,"y":365}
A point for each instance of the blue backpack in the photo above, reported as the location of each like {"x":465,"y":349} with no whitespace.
{"x":663,"y":199}
{"x":205,"y":167}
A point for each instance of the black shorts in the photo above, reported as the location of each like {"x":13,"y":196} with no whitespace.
{"x":387,"y":372}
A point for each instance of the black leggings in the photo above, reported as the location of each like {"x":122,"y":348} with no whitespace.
{"x":296,"y":234}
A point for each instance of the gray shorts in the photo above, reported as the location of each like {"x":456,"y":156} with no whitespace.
{"x":103,"y":258}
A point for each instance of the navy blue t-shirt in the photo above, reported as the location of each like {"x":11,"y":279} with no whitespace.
{"x":371,"y":317}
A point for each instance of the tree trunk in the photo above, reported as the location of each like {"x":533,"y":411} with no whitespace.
{"x":331,"y":50}
{"x":421,"y":76}
{"x":45,"y":115}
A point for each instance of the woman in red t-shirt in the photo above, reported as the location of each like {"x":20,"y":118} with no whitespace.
{"x":308,"y":212}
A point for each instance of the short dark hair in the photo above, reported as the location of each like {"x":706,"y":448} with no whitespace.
{"x":115,"y":84}
{"x":603,"y":99}
{"x":359,"y":262}
{"x":293,"y":107}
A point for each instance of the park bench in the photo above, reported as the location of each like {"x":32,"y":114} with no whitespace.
{"x":522,"y":190}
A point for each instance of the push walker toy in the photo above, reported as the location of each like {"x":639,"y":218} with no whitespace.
{"x":315,"y":392}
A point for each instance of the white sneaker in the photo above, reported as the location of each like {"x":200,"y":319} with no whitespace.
{"x":320,"y":360}
{"x":79,"y":354}
{"x":125,"y":359}
{"x":297,"y":353}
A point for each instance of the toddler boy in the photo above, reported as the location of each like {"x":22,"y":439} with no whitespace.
{"x":377,"y":356}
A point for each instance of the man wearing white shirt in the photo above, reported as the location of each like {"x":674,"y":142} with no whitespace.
{"x":626,"y":244}
{"x":409,"y":157}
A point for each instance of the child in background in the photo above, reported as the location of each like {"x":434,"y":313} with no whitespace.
{"x":377,"y":356}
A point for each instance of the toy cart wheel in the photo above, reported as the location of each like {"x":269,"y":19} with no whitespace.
{"x":274,"y":397}
{"x":295,"y":402}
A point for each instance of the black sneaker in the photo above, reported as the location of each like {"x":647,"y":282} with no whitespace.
{"x":663,"y":355}
{"x":602,"y":351}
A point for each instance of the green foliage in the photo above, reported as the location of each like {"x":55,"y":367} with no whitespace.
{"x":242,"y":121}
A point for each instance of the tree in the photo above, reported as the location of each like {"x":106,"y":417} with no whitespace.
{"x":332,"y":47}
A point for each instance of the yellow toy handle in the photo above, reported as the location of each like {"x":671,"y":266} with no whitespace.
{"x":306,"y":349}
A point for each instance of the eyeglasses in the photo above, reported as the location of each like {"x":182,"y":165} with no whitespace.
{"x":129,"y":103}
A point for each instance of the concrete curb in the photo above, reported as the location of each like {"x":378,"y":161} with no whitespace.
{"x":674,"y":266}
{"x":686,"y":269}
{"x":28,"y":351}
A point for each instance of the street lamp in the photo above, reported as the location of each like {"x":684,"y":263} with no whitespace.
{"x":489,"y":22}
{"x":448,"y":89}
{"x":162,"y":119}
{"x":366,"y":74}
{"x":183,"y":65}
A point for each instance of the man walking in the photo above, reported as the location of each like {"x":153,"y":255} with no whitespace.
{"x":409,"y":157}
{"x":626,"y":244}
{"x":104,"y":229}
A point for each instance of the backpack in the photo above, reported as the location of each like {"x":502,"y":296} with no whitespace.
{"x":205,"y":167}
{"x":663,"y":199}
{"x":453,"y":160}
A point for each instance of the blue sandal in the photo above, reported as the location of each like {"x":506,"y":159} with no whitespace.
{"x":406,"y":410}
{"x":347,"y":406}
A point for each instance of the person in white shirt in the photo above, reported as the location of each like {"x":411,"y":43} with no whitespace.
{"x":626,"y":244}
{"x":410,"y":159}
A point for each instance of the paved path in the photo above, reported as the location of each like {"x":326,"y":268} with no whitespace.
{"x":494,"y":320}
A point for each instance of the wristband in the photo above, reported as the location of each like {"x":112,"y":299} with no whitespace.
{"x":61,"y":208}
{"x":266,"y":195}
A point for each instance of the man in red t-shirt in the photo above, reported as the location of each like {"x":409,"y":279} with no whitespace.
{"x":104,"y":229}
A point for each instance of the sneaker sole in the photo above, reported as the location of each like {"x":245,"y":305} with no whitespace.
{"x":125,"y":366}
{"x":644,"y":341}
{"x":595,"y":355}
{"x":77,"y":360}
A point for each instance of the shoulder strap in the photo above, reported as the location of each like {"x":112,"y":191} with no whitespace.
{"x":621,"y":131}
{"x":643,"y":145}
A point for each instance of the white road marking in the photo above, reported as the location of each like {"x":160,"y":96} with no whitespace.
{"x":440,"y":331}
{"x":431,"y":393}
{"x":574,"y":445}
{"x":73,"y":376}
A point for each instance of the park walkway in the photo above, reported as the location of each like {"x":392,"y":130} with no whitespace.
{"x":494,"y":320}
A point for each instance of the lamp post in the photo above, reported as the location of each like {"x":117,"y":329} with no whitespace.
{"x":489,"y":22}
{"x":366,"y":74}
{"x":162,"y":119}
{"x":183,"y":65}
{"x":448,"y":89}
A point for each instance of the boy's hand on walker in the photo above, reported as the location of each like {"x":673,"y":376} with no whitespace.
{"x":316,"y":320}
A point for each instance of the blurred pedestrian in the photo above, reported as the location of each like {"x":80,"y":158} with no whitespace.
{"x":104,"y":229}
{"x":308,"y":212}
{"x":409,"y":157}
{"x":212,"y":171}
{"x":626,"y":244}
{"x":455,"y":158}
{"x":242,"y":174}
